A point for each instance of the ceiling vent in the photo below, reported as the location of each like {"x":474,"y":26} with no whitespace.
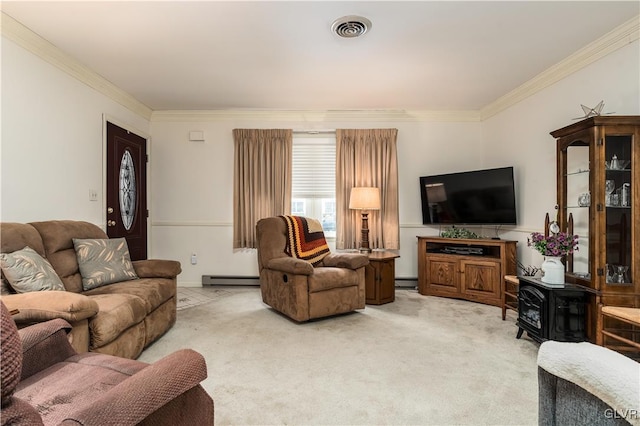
{"x":351,"y":26}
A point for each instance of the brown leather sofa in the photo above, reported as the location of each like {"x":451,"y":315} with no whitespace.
{"x":45,"y":382}
{"x":117,"y":319}
{"x":301,"y":290}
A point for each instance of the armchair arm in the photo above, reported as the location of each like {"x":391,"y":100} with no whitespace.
{"x":603,"y":373}
{"x":19,"y":412}
{"x":43,"y":345}
{"x":157,"y":268}
{"x":345,"y":260}
{"x":290,"y":265}
{"x":39,"y":306}
{"x":145,"y":391}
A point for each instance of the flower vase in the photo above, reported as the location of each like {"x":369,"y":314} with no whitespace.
{"x":552,"y":270}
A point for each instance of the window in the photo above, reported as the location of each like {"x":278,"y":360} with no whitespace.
{"x":314,"y":179}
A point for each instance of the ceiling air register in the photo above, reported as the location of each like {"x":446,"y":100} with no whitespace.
{"x":351,"y":26}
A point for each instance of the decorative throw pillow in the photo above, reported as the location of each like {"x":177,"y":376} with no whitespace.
{"x":103,"y":261}
{"x":27,"y":271}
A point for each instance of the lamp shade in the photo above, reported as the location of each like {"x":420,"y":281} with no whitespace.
{"x":364,"y":198}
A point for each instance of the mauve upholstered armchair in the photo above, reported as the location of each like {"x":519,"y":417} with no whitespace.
{"x":45,"y":382}
{"x":301,"y":290}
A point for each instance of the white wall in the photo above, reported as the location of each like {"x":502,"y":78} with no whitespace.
{"x":52,"y":149}
{"x":520,"y":134}
{"x":193,"y":186}
{"x":52,"y":154}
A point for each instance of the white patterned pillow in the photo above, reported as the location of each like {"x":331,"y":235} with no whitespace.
{"x":103,"y":261}
{"x":27,"y":271}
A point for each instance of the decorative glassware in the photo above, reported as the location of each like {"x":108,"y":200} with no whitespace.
{"x":611,"y":275}
{"x":584,"y":200}
{"x":622,"y":274}
{"x":625,"y":195}
{"x":609,"y":187}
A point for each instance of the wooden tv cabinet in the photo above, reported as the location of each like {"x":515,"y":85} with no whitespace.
{"x":470,"y":269}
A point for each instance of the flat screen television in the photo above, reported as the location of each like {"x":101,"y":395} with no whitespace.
{"x":479,"y":197}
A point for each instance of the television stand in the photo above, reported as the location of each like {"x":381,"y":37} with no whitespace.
{"x":470,"y":269}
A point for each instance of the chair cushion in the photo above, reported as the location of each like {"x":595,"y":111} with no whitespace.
{"x":117,"y":313}
{"x":61,"y":389}
{"x":15,"y":236}
{"x":329,"y":278}
{"x":27,"y":271}
{"x":153,"y":291}
{"x":57,"y":237}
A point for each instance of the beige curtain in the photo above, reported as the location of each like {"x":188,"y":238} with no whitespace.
{"x":261,"y":180}
{"x":367,"y":157}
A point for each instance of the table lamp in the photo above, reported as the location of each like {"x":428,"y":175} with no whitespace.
{"x":364,"y":199}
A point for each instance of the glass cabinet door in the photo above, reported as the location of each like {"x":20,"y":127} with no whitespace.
{"x":577,"y":205}
{"x":618,"y":196}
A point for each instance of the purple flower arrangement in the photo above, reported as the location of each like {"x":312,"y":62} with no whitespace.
{"x":559,"y":244}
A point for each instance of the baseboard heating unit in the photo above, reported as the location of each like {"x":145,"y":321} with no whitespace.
{"x":238,"y":280}
{"x":229,"y":280}
{"x":406,"y":283}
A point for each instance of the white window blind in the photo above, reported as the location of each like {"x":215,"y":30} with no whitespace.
{"x":314,"y":167}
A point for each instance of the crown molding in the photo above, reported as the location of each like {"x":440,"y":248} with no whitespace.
{"x":621,"y":36}
{"x":313,"y":116}
{"x":32,"y":42}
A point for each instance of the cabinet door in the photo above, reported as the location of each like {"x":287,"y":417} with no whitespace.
{"x":442,"y":275}
{"x":575,"y":198}
{"x":619,"y":191}
{"x":370,"y":287}
{"x":387,"y":277}
{"x":480,"y":278}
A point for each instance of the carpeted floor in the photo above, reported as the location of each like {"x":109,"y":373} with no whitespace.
{"x":418,"y":361}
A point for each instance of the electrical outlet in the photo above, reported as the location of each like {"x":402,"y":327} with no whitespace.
{"x":93,"y":195}
{"x":194,"y":259}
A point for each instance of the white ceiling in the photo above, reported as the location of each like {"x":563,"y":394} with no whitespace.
{"x":420,"y":55}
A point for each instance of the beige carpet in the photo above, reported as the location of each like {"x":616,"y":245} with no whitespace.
{"x":418,"y":361}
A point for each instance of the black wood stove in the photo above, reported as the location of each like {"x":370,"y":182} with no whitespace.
{"x":550,"y":312}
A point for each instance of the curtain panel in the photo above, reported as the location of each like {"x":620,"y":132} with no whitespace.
{"x":261,"y":181}
{"x":367,"y":157}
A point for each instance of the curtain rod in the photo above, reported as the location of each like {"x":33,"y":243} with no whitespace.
{"x":314,"y":132}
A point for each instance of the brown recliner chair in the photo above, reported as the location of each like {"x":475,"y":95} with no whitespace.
{"x":301,"y":290}
{"x":44,"y":381}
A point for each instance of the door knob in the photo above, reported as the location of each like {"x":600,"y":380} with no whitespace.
{"x":111,"y":223}
{"x":109,"y":209}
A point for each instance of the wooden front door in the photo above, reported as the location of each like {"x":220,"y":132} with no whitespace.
{"x":127,"y":189}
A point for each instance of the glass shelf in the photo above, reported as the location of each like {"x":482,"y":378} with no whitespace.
{"x":578,"y":172}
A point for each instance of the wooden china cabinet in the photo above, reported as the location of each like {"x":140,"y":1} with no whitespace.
{"x":598,"y":179}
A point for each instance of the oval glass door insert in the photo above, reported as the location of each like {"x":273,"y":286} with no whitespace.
{"x":127,"y":190}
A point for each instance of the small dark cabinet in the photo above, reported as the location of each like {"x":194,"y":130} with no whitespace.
{"x":550,"y":312}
